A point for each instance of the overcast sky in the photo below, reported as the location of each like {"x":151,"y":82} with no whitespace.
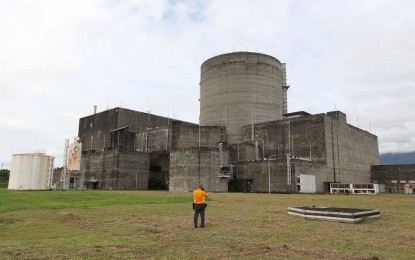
{"x":60,"y":58}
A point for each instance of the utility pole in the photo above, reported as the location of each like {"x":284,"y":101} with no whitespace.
{"x":272,"y":157}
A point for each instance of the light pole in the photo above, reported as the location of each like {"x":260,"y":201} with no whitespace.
{"x":272,"y":157}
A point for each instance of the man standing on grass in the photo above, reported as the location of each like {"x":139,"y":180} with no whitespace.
{"x":199,"y":205}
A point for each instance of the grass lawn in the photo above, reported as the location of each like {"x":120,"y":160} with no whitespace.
{"x":158,"y":225}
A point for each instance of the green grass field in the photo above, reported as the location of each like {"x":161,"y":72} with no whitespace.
{"x":158,"y":225}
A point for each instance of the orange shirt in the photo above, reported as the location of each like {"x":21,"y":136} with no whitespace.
{"x":199,"y":196}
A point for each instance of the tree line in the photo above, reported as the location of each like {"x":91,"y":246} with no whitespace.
{"x":4,"y":174}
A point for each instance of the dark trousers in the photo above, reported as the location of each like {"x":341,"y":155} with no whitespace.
{"x":199,"y":209}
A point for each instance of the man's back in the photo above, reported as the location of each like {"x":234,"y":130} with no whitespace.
{"x":199,"y":196}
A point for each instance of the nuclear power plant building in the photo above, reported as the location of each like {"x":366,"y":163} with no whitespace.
{"x":246,"y":140}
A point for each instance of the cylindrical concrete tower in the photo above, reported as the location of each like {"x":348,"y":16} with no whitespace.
{"x":240,"y":88}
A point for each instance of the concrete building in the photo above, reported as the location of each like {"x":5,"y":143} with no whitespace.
{"x":125,"y":149}
{"x":246,"y":140}
{"x":394,"y":178}
{"x":305,"y":153}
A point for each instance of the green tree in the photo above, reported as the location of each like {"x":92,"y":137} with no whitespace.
{"x":4,"y":174}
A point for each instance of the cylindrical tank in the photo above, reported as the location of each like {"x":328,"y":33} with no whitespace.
{"x":238,"y":89}
{"x":31,"y":172}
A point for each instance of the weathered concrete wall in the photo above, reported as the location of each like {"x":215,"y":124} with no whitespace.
{"x":138,"y":122}
{"x":393,"y":176}
{"x":319,"y":170}
{"x":94,"y":130}
{"x":154,"y":140}
{"x":187,"y":136}
{"x":238,"y":88}
{"x":339,"y":152}
{"x":110,"y":140}
{"x":301,"y":136}
{"x":242,"y":152}
{"x":116,"y":170}
{"x":264,"y":176}
{"x":57,"y":173}
{"x":191,"y":164}
{"x":350,"y":151}
{"x":191,"y":167}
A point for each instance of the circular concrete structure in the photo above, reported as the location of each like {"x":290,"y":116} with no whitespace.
{"x":31,"y":172}
{"x":239,"y":88}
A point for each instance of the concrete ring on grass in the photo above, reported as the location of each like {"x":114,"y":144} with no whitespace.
{"x":349,"y":215}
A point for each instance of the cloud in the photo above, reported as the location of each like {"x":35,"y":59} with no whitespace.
{"x":60,"y":58}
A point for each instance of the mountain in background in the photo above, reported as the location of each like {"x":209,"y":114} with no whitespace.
{"x":397,"y":158}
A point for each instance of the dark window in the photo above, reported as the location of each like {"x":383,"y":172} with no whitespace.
{"x":155,"y":168}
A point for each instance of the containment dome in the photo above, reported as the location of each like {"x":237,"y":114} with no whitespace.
{"x":239,"y":89}
{"x":31,"y":172}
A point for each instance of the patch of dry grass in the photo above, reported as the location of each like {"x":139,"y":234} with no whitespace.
{"x":238,"y":226}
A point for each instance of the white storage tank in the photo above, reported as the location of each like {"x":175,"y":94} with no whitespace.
{"x":32,"y":171}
